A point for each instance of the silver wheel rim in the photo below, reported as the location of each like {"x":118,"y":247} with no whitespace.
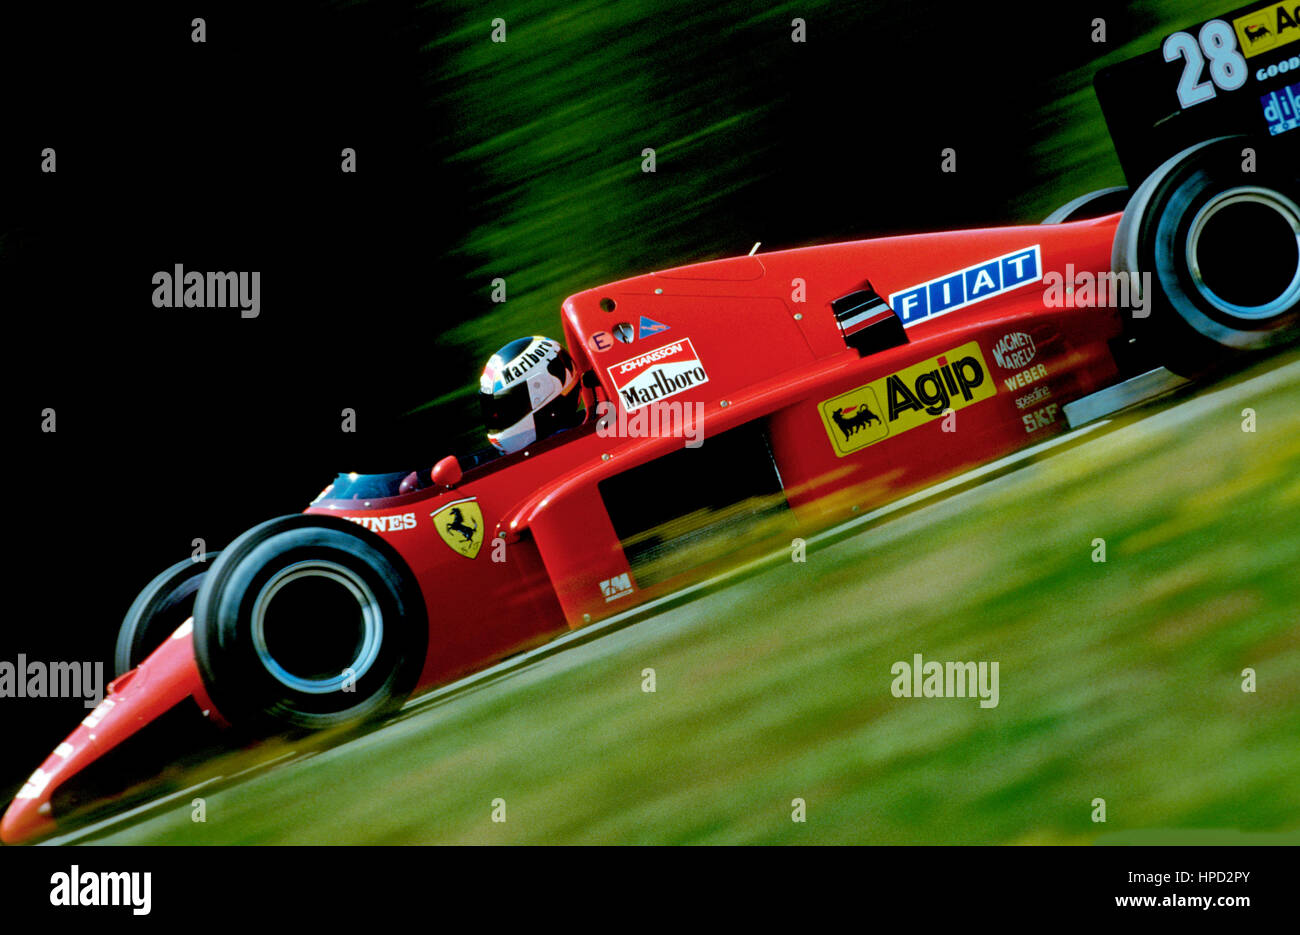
{"x":1276,"y":201}
{"x":372,"y":625}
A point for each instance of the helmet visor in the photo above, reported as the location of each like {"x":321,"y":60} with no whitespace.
{"x":501,"y":412}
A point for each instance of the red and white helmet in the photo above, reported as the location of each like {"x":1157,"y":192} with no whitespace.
{"x":529,"y":390}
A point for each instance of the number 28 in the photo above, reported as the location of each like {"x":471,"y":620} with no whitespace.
{"x":1218,"y":43}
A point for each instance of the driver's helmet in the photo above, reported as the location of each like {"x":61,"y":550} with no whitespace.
{"x":529,"y":390}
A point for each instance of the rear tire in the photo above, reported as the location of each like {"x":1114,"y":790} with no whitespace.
{"x":308,"y":622}
{"x":157,"y":611}
{"x":1222,"y":248}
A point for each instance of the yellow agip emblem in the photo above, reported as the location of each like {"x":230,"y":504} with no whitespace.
{"x":1267,"y":28}
{"x":904,"y":400}
{"x":460,"y":524}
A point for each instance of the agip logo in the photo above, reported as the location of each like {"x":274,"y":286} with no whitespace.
{"x":1268,"y":28}
{"x":854,"y":420}
{"x":461,"y":526}
{"x":906,"y":399}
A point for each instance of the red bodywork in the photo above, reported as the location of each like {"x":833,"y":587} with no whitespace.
{"x":765,"y":335}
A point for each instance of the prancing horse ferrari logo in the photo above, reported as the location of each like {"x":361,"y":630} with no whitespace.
{"x":460,"y":524}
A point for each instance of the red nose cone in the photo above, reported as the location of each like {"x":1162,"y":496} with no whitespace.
{"x":162,"y":681}
{"x":26,"y":820}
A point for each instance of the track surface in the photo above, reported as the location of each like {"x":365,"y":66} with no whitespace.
{"x":1119,"y":680}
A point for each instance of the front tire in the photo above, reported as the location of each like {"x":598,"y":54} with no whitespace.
{"x":308,"y":622}
{"x":157,"y":611}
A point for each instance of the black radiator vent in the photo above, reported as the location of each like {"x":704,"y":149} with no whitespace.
{"x":867,"y":322}
{"x":694,"y":506}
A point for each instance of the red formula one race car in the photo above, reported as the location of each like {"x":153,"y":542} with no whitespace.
{"x":733,"y":405}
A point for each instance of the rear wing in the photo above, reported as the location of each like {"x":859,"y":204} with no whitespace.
{"x":1236,"y":73}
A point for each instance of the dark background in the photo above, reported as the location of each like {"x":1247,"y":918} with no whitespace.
{"x":183,"y":423}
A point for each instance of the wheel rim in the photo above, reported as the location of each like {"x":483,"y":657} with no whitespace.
{"x":293,"y":649}
{"x":1234,"y":216}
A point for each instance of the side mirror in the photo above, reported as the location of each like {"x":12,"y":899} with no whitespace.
{"x":447,"y":472}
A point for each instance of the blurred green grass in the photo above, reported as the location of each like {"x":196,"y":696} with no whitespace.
{"x":1119,"y":680}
